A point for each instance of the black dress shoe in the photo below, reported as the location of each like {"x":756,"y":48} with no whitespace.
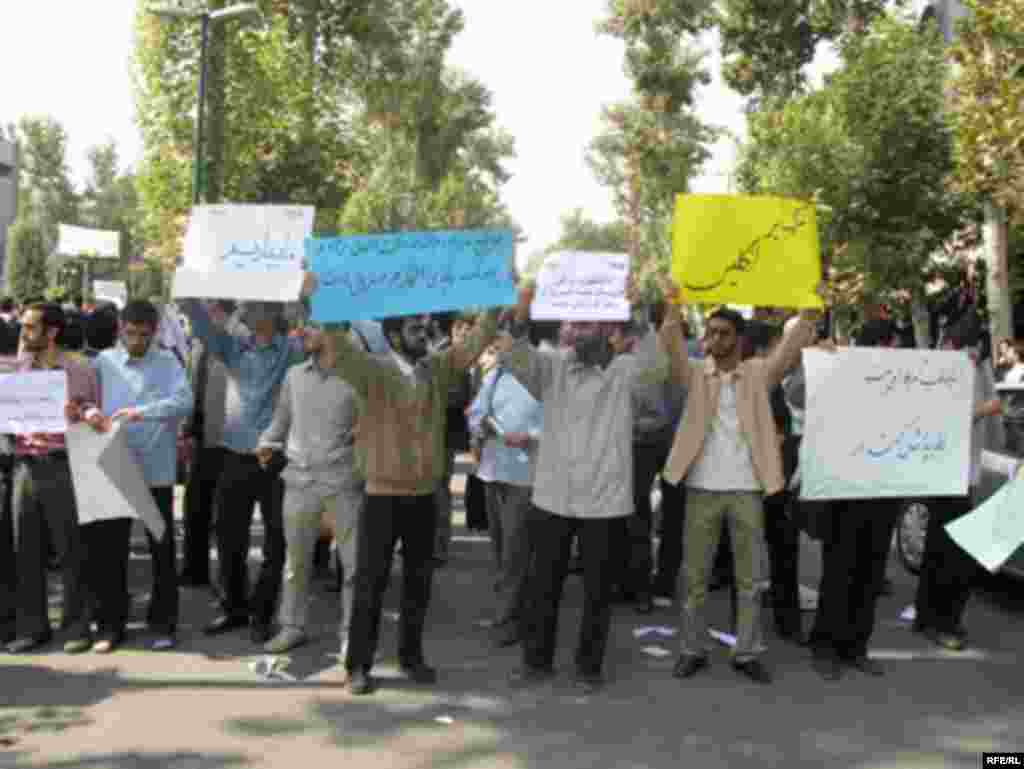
{"x":529,"y":676}
{"x":29,"y":643}
{"x":588,"y":683}
{"x":867,"y":666}
{"x":260,"y":632}
{"x":688,"y":665}
{"x":644,"y":604}
{"x":225,"y":624}
{"x":827,"y":667}
{"x":507,"y":635}
{"x":419,"y":672}
{"x":360,"y":682}
{"x":754,"y":670}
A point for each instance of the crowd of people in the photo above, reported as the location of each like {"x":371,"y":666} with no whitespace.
{"x":349,"y":434}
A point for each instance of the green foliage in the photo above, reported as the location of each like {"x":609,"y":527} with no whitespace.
{"x":582,"y":234}
{"x":875,"y":149}
{"x":651,"y":146}
{"x":988,"y":103}
{"x":767,"y":44}
{"x":45,"y":190}
{"x":26,"y":259}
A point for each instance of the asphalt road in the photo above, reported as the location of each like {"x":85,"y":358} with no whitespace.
{"x":203,"y":707}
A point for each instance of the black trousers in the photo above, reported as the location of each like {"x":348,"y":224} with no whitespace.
{"x":8,"y":574}
{"x":783,"y":539}
{"x":242,"y":484}
{"x":383,"y":521}
{"x":948,"y":573}
{"x":554,"y":544}
{"x":105,"y":546}
{"x":670,"y":543}
{"x":162,"y":615}
{"x":855,"y":549}
{"x":199,"y":512}
{"x":648,"y":459}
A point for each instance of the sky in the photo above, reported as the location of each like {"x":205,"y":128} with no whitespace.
{"x":550,"y":74}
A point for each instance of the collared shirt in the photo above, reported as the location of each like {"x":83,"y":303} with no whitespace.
{"x":502,"y":397}
{"x":156,"y":385}
{"x":314,"y":423}
{"x":82,"y":389}
{"x":585,"y":459}
{"x":256,"y":370}
{"x":725,"y":462}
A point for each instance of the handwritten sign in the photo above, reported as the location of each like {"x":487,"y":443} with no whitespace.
{"x":84,"y":241}
{"x":993,"y":531}
{"x":33,"y":402}
{"x":367,"y":277}
{"x":245,"y":252}
{"x":108,"y":480}
{"x":578,"y":285}
{"x":746,"y":249}
{"x":886,"y":423}
{"x":115,"y":291}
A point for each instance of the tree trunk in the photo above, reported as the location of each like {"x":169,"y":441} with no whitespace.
{"x":213,"y":152}
{"x":1000,"y":303}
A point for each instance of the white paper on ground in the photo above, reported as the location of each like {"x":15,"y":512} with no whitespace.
{"x":446,"y":720}
{"x":656,"y":651}
{"x":723,"y":638}
{"x":662,"y":630}
{"x":108,"y":481}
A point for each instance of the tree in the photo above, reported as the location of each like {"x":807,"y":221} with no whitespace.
{"x":873,"y":146}
{"x":652,"y":146}
{"x":987,"y":98}
{"x":767,"y":44}
{"x":580,"y":233}
{"x":45,"y":190}
{"x":26,"y":259}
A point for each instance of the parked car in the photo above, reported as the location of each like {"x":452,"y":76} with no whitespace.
{"x":996,"y":469}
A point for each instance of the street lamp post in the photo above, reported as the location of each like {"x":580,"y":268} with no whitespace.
{"x":205,"y":18}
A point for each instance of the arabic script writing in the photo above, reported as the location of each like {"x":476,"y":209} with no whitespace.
{"x":909,"y":442}
{"x":749,"y":256}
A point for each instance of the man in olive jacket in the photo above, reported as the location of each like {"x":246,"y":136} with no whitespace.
{"x":402,"y":432}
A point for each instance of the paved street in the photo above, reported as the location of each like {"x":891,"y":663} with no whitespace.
{"x":203,"y":707}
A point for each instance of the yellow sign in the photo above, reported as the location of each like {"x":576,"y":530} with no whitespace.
{"x":746,"y":249}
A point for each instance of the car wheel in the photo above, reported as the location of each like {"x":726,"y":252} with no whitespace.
{"x":910,"y":535}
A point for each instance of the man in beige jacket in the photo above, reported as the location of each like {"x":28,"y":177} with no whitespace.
{"x":727,"y":451}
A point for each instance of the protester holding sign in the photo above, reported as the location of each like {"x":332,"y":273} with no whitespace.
{"x":43,"y":500}
{"x":406,"y":394}
{"x":146,"y":387}
{"x":948,"y":573}
{"x":857,"y":534}
{"x":256,"y":365}
{"x":584,"y":479}
{"x":727,"y":450}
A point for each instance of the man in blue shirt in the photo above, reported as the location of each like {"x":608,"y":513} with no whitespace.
{"x":257,"y":364}
{"x":147,"y":388}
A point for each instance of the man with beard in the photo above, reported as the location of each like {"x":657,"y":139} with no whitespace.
{"x":406,"y":398}
{"x":43,"y":500}
{"x":727,"y":451}
{"x":583,"y":484}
